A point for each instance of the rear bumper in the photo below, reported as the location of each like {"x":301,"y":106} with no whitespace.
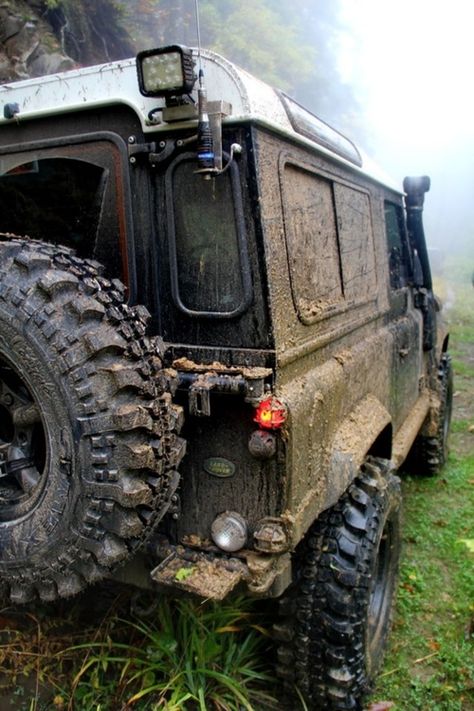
{"x":211,"y":575}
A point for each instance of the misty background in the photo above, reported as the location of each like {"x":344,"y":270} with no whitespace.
{"x":395,"y":76}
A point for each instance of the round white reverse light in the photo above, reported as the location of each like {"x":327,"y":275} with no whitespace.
{"x":229,"y":531}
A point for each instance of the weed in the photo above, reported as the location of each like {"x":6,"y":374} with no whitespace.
{"x":191,"y":656}
{"x":96,"y":657}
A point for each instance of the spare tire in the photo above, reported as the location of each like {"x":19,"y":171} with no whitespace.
{"x":89,"y":439}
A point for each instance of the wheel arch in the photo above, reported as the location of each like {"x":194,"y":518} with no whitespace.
{"x":367,"y":429}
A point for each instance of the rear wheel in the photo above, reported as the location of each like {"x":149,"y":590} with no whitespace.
{"x":429,"y":453}
{"x":89,"y":439}
{"x":337,"y":617}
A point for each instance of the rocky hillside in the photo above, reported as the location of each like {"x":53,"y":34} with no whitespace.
{"x":45,"y":36}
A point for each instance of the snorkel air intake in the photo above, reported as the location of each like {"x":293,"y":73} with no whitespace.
{"x":415,"y":189}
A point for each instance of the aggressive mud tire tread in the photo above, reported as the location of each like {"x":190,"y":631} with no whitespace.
{"x":325,"y":648}
{"x":106,"y":404}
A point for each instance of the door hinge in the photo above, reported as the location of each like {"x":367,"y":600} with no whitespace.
{"x":153,"y":152}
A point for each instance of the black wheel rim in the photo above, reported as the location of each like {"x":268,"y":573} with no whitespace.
{"x":23,"y":446}
{"x":381,"y":590}
{"x":448,"y":407}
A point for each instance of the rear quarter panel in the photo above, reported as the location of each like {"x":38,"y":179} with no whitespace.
{"x":340,"y":374}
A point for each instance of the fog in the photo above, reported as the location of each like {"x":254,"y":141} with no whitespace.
{"x":410,"y":64}
{"x":395,"y":75}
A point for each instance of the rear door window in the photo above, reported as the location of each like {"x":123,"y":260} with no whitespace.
{"x":54,"y":199}
{"x":76,"y":194}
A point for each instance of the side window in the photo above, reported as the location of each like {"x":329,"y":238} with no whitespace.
{"x":312,"y":243}
{"x":356,"y":242}
{"x":210,"y":270}
{"x":398,"y":256}
{"x":329,"y":242}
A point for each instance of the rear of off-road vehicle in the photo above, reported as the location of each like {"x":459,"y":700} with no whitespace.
{"x":225,"y":277}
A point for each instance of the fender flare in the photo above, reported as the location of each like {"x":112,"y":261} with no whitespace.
{"x":352,"y":442}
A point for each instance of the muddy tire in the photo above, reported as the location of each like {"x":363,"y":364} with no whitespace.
{"x":89,"y":439}
{"x":429,"y":454}
{"x":336,"y":618}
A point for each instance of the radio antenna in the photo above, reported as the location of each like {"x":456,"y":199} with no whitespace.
{"x":198,"y":32}
{"x":205,"y":148}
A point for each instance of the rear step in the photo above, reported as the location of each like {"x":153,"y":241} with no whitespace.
{"x":197,"y":573}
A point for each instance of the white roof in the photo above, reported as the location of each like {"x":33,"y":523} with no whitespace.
{"x":116,"y":83}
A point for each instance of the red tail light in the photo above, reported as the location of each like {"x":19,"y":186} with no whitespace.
{"x":270,"y":414}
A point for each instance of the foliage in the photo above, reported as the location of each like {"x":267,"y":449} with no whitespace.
{"x":191,"y":656}
{"x":188,"y":655}
{"x":293,"y":51}
{"x":254,"y":36}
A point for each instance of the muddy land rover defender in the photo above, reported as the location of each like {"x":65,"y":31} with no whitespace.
{"x":218,"y":343}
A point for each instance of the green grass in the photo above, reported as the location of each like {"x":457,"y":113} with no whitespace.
{"x":187,"y":655}
{"x":429,"y":665}
{"x":191,"y":656}
{"x":464,"y":369}
{"x":430,"y":662}
{"x":460,"y":426}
